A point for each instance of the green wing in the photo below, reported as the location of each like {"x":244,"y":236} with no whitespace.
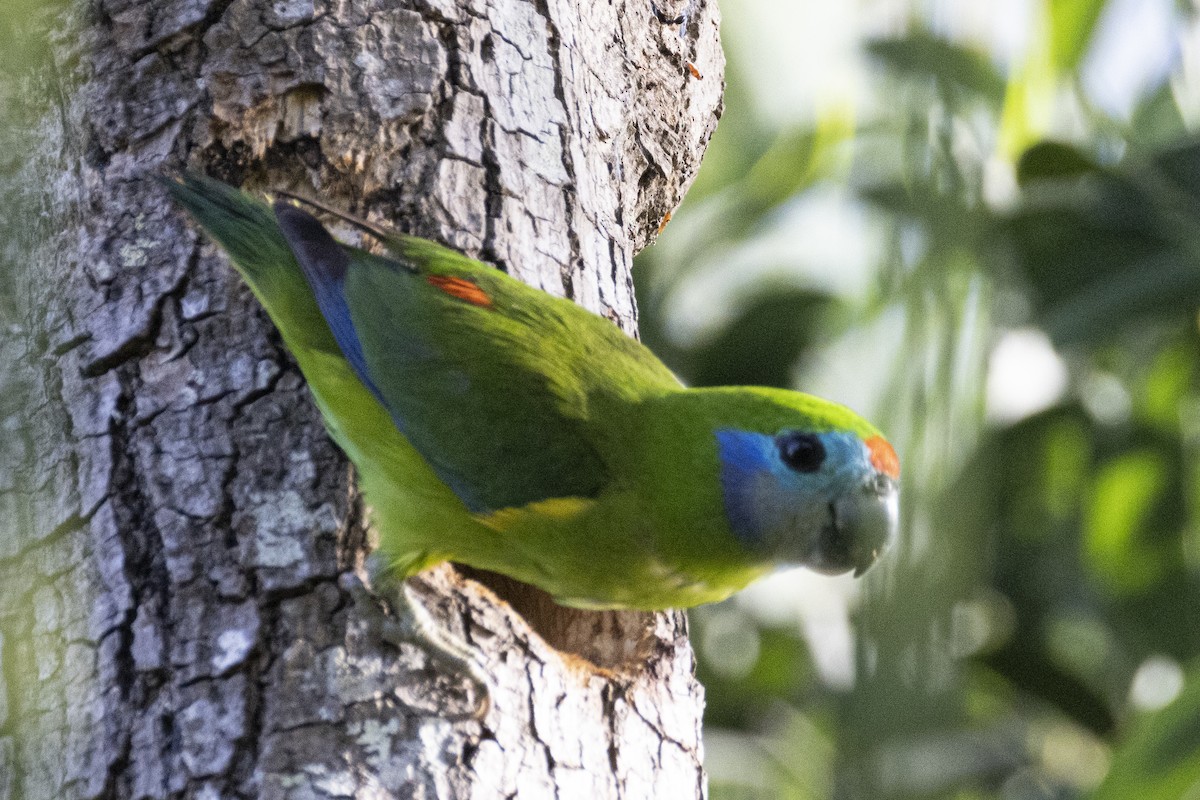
{"x":496,"y":384}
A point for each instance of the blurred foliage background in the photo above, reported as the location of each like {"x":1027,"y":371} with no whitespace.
{"x":978,"y":223}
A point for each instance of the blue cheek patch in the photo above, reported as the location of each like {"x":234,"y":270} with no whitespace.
{"x":746,"y":459}
{"x":764,"y":498}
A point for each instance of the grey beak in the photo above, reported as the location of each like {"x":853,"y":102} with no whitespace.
{"x":864,"y":523}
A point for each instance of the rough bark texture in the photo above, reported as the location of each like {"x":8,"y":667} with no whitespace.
{"x":173,"y":518}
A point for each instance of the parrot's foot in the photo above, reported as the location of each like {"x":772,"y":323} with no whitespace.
{"x":409,"y":623}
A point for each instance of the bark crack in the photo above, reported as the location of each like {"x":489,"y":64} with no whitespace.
{"x":574,"y":257}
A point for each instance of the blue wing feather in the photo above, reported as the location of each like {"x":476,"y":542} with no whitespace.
{"x":325,"y":263}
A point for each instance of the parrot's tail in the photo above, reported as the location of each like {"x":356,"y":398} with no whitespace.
{"x":243,"y":225}
{"x":247,"y":229}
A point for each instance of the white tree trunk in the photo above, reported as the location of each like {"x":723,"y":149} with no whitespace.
{"x":173,"y":518}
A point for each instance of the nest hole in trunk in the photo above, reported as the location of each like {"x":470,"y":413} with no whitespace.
{"x":614,"y":641}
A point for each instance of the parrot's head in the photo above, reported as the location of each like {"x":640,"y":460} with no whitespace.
{"x":809,"y":483}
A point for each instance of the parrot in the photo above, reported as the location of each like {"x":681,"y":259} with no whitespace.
{"x":495,"y":425}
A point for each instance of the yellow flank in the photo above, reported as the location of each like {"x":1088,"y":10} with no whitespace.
{"x":556,"y":509}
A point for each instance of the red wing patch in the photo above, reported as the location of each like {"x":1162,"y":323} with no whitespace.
{"x":883,"y":457}
{"x":461,"y":288}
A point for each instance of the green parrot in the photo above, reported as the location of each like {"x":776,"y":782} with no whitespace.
{"x":495,"y":425}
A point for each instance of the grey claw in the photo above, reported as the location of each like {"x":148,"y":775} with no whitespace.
{"x":410,"y":623}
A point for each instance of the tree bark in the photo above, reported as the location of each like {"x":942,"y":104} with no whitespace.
{"x":173,"y":518}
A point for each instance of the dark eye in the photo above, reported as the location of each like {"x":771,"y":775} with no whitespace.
{"x":802,"y":452}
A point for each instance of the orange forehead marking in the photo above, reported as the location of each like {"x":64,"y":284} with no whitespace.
{"x":462,"y":289}
{"x":883,"y":457}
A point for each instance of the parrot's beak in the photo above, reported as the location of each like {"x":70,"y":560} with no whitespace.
{"x":864,"y":523}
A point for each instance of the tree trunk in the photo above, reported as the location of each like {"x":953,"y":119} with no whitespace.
{"x":173,"y":518}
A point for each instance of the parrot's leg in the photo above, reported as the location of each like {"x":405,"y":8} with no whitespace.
{"x":410,"y":623}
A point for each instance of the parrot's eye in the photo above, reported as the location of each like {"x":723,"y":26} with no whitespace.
{"x":802,"y":452}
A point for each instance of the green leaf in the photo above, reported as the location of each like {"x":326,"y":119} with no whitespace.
{"x":1157,"y":121}
{"x":1151,"y":290}
{"x":1124,"y":496}
{"x":922,"y":54}
{"x":950,"y":222}
{"x":1053,"y":160}
{"x":762,"y":346}
{"x":1106,"y":249}
{"x":793,"y":162}
{"x":1179,"y":166}
{"x":1160,"y":758}
{"x":1072,"y":23}
{"x":1030,"y":105}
